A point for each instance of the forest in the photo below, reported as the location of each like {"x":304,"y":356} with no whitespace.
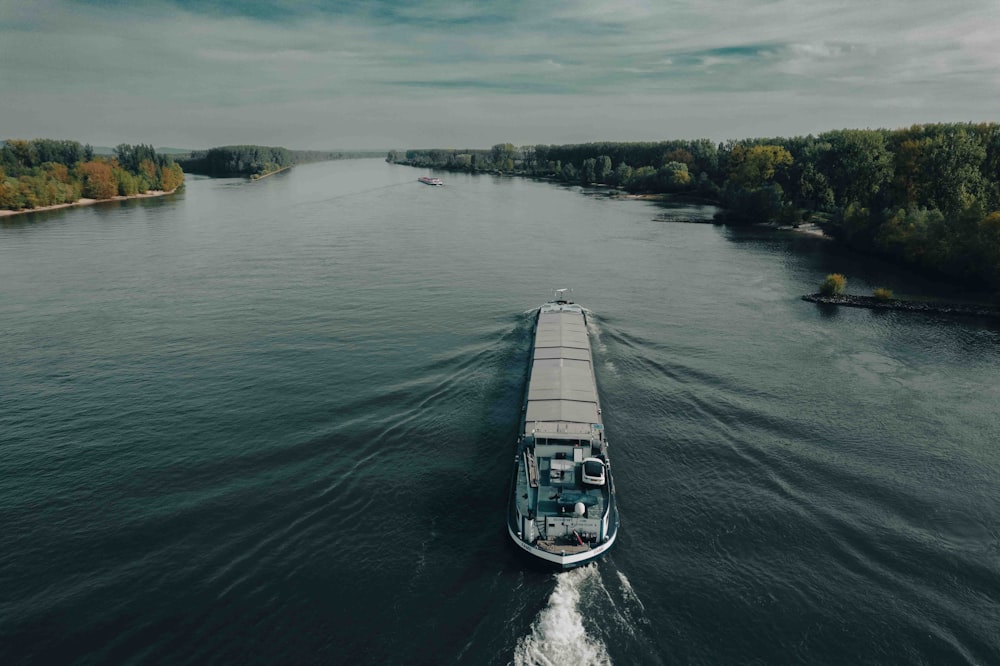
{"x":47,"y":172}
{"x":927,"y":196}
{"x":257,"y":161}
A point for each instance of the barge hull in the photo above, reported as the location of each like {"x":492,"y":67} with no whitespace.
{"x":562,"y":505}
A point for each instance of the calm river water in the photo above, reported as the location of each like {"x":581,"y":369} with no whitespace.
{"x":272,"y":423}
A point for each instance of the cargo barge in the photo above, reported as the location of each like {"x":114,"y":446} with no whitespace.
{"x":562,"y":508}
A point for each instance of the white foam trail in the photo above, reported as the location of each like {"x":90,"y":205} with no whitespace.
{"x":629,"y":591}
{"x":595,"y":334}
{"x":595,"y":331}
{"x":558,"y":636}
{"x":591,"y":321}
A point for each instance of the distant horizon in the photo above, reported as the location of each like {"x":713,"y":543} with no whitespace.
{"x":486,"y":145}
{"x":102,"y":150}
{"x":109,"y":149}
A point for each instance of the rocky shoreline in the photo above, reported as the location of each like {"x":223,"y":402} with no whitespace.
{"x":929,"y":307}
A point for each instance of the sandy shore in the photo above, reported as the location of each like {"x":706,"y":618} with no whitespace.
{"x":84,"y":202}
{"x":644,"y":197}
{"x":808,"y":229}
{"x":262,"y":176}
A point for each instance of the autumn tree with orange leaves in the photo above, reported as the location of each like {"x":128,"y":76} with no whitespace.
{"x":44,"y":172}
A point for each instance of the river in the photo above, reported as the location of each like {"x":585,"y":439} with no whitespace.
{"x":272,"y":422}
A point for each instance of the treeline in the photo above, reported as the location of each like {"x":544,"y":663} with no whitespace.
{"x":237,"y":161}
{"x":927,"y":195}
{"x":257,"y":161}
{"x":47,"y":172}
{"x":303,"y":156}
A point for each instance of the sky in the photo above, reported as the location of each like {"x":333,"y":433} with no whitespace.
{"x":380,"y":74}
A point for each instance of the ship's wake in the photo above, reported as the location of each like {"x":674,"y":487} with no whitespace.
{"x":558,"y":635}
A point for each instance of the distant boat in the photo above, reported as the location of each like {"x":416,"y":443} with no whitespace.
{"x":427,"y":180}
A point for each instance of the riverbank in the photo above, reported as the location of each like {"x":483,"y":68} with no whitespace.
{"x":262,"y":176}
{"x":805,"y":228}
{"x":86,"y":202}
{"x":927,"y":307}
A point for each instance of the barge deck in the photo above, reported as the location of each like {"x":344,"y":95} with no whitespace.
{"x":562,"y":506}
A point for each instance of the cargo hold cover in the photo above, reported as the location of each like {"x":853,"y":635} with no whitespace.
{"x":562,"y":388}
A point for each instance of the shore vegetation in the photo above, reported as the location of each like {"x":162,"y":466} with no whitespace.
{"x":833,"y":285}
{"x":46,"y":172}
{"x":927,"y":196}
{"x":882,"y":294}
{"x":250,"y":161}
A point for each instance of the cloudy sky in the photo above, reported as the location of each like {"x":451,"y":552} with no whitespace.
{"x":438,"y":73}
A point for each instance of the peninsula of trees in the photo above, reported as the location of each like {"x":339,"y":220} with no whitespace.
{"x":927,"y":195}
{"x":47,"y":172}
{"x":257,"y":161}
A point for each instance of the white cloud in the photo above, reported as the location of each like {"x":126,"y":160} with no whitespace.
{"x":538,"y":72}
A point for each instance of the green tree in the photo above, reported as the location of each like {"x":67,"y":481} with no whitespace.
{"x":643,"y":180}
{"x":621,"y":175}
{"x":501,"y":153}
{"x":24,"y":153}
{"x":128,"y":184}
{"x":989,"y":243}
{"x":814,"y":189}
{"x":951,"y":168}
{"x":602,"y":169}
{"x":673,"y":176}
{"x":756,"y":166}
{"x":859,"y":166}
{"x":9,"y":195}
